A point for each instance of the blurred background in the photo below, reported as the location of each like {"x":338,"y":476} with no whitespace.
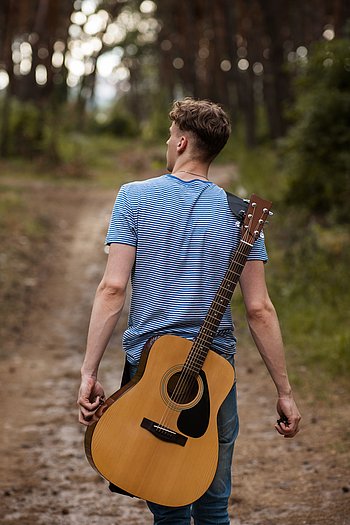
{"x":85,"y":91}
{"x":85,"y":88}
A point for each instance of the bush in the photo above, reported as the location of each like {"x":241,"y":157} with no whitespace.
{"x":156,"y":127}
{"x":27,"y":131}
{"x":317,"y":146}
{"x":307,"y":284}
{"x":119,"y":122}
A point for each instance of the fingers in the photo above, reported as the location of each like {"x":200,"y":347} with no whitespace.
{"x":87,"y":410}
{"x":87,"y":419}
{"x":287,"y":430}
{"x":288,"y":424}
{"x":91,"y":397}
{"x":88,"y":405}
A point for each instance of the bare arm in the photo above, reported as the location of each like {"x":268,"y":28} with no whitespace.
{"x":106,"y":310}
{"x":265,"y":329}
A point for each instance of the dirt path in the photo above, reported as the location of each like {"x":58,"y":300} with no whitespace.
{"x":45,"y":478}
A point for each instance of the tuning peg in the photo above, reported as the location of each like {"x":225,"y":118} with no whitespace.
{"x":265,"y":210}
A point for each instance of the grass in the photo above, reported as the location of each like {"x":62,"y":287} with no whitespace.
{"x":313,"y":302}
{"x":91,"y":160}
{"x":24,"y":236}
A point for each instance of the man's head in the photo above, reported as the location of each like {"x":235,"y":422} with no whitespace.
{"x":205,"y":123}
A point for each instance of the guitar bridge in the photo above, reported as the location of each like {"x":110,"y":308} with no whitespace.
{"x":163,"y":433}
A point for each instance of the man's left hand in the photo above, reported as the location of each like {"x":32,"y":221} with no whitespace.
{"x":289,"y":413}
{"x":90,"y":397}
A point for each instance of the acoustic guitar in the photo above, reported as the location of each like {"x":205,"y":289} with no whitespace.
{"x":157,"y":437}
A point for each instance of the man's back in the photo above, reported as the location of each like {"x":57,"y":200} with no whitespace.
{"x":185,"y":232}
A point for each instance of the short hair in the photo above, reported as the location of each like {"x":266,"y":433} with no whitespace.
{"x":206,"y":120}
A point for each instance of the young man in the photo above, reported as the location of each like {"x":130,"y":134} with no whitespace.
{"x":174,"y":235}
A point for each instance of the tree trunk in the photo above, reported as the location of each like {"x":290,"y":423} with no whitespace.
{"x":276,"y":80}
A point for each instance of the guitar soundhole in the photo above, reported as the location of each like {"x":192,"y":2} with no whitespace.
{"x":181,"y":390}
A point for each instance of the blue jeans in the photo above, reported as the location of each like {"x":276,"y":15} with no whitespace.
{"x":212,"y":507}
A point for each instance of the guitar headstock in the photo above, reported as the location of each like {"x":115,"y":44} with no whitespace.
{"x":255,"y":218}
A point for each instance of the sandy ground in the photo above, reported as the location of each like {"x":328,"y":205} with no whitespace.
{"x":45,"y":478}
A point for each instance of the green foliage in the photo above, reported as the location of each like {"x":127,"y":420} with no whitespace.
{"x":258,"y":169}
{"x":119,"y":122}
{"x":317,"y":153}
{"x":157,"y":126}
{"x":27,"y":131}
{"x":307,"y":281}
{"x":307,"y":275}
{"x":313,"y":301}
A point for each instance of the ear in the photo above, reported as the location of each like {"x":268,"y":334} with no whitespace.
{"x":181,"y":144}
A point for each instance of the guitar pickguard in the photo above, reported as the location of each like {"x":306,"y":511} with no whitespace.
{"x":194,"y":421}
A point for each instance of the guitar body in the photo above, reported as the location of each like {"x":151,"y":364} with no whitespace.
{"x":151,"y":440}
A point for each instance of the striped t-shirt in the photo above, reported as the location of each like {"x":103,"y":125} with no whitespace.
{"x":184,"y":234}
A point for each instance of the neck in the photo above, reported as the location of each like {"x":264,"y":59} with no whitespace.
{"x":191,"y":170}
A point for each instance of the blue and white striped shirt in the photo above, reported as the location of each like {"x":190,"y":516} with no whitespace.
{"x":184,"y":234}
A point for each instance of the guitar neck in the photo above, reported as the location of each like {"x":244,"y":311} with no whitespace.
{"x":222,"y":299}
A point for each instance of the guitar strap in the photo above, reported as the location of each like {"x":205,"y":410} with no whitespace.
{"x":237,"y":205}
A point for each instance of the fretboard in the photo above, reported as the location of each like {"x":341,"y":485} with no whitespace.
{"x":222,"y":299}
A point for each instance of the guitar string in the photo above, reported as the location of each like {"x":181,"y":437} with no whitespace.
{"x":194,"y":365}
{"x":217,"y":309}
{"x":200,"y":349}
{"x":186,"y":381}
{"x":241,"y":255}
{"x":239,"y":258}
{"x":229,"y":277}
{"x":214,"y":317}
{"x":207,"y":332}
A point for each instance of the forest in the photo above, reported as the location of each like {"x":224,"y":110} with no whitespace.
{"x":244,"y":54}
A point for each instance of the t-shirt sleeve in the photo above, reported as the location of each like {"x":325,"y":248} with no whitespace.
{"x":258,"y":251}
{"x":123,"y":223}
